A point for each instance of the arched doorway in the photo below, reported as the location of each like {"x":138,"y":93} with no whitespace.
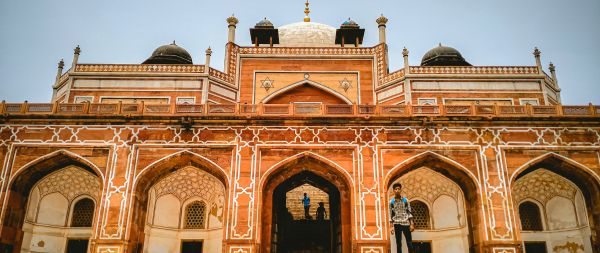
{"x":280,"y":226}
{"x":179,"y":205}
{"x":450,"y":195}
{"x":51,"y":205}
{"x":558,"y":206}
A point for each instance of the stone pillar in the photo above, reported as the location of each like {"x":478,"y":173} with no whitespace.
{"x":59,"y":71}
{"x":205,"y":83}
{"x":538,"y":61}
{"x":232,"y":21}
{"x":207,"y":62}
{"x":114,"y":208}
{"x":61,"y":65}
{"x":405,"y":56}
{"x":552,"y":69}
{"x":76,"y":53}
{"x":381,"y":21}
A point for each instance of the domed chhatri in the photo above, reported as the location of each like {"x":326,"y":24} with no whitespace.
{"x":169,"y":54}
{"x":443,"y":56}
{"x":349,"y":24}
{"x":265,"y":23}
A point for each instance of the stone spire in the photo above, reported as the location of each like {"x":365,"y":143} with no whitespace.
{"x":207,"y":62}
{"x":538,"y":61}
{"x":381,"y":21}
{"x":405,"y":57}
{"x":552,"y":69}
{"x":76,"y":53}
{"x":306,"y":11}
{"x":232,"y":21}
{"x":59,"y":71}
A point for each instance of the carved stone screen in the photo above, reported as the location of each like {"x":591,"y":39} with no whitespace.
{"x":195,"y":215}
{"x":530,"y":217}
{"x":420,"y":215}
{"x":83,"y":213}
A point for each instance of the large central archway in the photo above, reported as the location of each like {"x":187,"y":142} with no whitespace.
{"x":275,"y":221}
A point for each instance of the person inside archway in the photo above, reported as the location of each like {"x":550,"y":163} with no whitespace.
{"x":401,"y":219}
{"x":321,"y":212}
{"x":306,"y":204}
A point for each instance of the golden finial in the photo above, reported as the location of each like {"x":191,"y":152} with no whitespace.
{"x":306,"y":11}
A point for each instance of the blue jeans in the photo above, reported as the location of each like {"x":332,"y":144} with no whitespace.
{"x":398,"y":231}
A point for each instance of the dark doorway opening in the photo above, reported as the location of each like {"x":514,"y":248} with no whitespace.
{"x":307,"y":234}
{"x":191,"y":247}
{"x":535,"y":247}
{"x":422,"y":247}
{"x":77,"y":246}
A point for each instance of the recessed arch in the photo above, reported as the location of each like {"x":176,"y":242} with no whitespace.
{"x":585,"y":179}
{"x":465,"y":180}
{"x":422,"y":158}
{"x":153,"y":173}
{"x":24,"y":179}
{"x":535,"y":162}
{"x":55,"y":160}
{"x":181,"y":159}
{"x":317,"y":85}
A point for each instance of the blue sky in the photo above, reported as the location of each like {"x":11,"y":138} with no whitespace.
{"x":35,"y":35}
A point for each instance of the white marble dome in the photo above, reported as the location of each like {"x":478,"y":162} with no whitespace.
{"x":306,"y":34}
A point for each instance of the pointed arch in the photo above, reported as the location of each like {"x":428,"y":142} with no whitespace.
{"x":152,"y":174}
{"x":549,"y":158}
{"x":305,"y":155}
{"x":58,"y":159}
{"x":422,"y":159}
{"x":459,"y":174}
{"x":303,"y":82}
{"x":304,"y":167}
{"x":22,"y":181}
{"x":178,"y":160}
{"x":580,"y":175}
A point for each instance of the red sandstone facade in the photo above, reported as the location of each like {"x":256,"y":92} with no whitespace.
{"x":252,"y":138}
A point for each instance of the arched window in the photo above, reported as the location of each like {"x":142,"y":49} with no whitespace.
{"x":83,"y":213}
{"x":195,"y":215}
{"x":531,"y":219}
{"x":420,"y":213}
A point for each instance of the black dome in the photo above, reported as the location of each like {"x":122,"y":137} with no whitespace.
{"x":443,"y":56}
{"x":169,"y":54}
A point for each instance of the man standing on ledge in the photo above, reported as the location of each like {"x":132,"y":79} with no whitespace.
{"x":306,"y":203}
{"x":401,"y":219}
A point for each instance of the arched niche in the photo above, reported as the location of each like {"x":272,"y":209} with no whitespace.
{"x":21,"y":192}
{"x":184,"y":170}
{"x":462,"y":185}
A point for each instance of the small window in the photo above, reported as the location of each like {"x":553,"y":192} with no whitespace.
{"x":82,"y":99}
{"x":420,"y":213}
{"x":529,"y":101}
{"x":83,"y":213}
{"x":195,"y":215}
{"x":531,"y":219}
{"x":186,"y":100}
{"x":427,"y":101}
